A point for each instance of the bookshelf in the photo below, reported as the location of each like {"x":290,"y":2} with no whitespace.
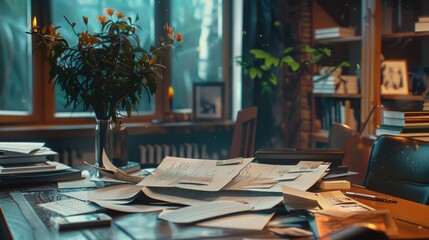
{"x":399,"y":40}
{"x":381,"y":34}
{"x":337,"y":107}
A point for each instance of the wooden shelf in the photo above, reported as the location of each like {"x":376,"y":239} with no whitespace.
{"x":340,"y":40}
{"x":403,"y":97}
{"x":405,"y":35}
{"x":335,"y":95}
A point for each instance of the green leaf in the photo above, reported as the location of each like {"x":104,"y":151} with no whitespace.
{"x":259,"y":54}
{"x":253,"y":72}
{"x":309,"y":49}
{"x":273,"y":79}
{"x":292,"y":63}
{"x":326,"y":51}
{"x":288,"y":50}
{"x":316,"y":58}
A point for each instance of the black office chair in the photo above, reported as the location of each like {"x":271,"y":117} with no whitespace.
{"x":243,"y":139}
{"x":399,"y":167}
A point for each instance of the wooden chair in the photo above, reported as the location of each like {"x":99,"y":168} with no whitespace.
{"x":243,"y":140}
{"x":339,"y":134}
{"x":399,"y":167}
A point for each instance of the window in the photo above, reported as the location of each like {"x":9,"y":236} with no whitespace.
{"x":199,"y":60}
{"x":15,"y":59}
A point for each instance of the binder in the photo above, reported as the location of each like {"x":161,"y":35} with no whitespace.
{"x":291,"y":156}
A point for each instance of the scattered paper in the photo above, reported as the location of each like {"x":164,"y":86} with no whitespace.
{"x":246,"y":221}
{"x":172,"y":171}
{"x":115,"y":192}
{"x":254,"y":177}
{"x":19,"y":148}
{"x":131,"y":208}
{"x":82,"y":183}
{"x":292,"y":232}
{"x":258,"y":200}
{"x":203,"y":211}
{"x":334,"y":202}
{"x":70,"y":207}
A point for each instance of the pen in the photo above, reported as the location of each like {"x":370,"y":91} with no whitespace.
{"x":371,"y":197}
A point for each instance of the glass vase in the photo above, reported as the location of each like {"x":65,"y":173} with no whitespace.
{"x":102,"y":141}
{"x":119,"y":136}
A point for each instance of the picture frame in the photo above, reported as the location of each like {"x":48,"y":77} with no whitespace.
{"x":208,"y":101}
{"x":394,"y":77}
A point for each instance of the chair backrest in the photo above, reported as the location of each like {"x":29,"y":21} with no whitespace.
{"x":399,"y":166}
{"x":243,"y":139}
{"x":339,"y":134}
{"x":357,"y":150}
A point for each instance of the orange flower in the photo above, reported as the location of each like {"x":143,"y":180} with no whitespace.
{"x":53,"y":33}
{"x":120,"y":15}
{"x":178,"y":36}
{"x":110,"y":11}
{"x":169,"y":30}
{"x":85,"y":19}
{"x":152,"y":61}
{"x":101,"y":19}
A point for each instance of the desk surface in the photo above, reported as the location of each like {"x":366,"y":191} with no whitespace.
{"x":23,"y":206}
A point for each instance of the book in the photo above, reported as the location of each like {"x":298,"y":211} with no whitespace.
{"x":341,"y":30}
{"x":26,"y":167}
{"x":402,"y":115}
{"x":379,"y":132}
{"x":19,"y":148}
{"x":421,"y":26}
{"x":406,"y":122}
{"x":423,"y":18}
{"x":40,"y":155}
{"x":404,"y":129}
{"x":14,"y":180}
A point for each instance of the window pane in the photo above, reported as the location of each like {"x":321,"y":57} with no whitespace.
{"x":15,"y":58}
{"x":200,"y":59}
{"x":92,"y":9}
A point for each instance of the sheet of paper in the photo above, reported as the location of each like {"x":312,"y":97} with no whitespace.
{"x":116,"y":192}
{"x":258,"y":200}
{"x":331,"y":203}
{"x":131,"y":208}
{"x":254,"y":173}
{"x":246,"y":221}
{"x":19,"y":148}
{"x":203,"y":211}
{"x":57,"y":167}
{"x":173,"y":171}
{"x":85,"y":182}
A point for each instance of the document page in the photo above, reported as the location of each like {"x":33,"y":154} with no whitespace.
{"x":115,"y":192}
{"x":258,"y":200}
{"x":203,"y":211}
{"x":331,"y":203}
{"x":196,"y":174}
{"x":270,"y":178}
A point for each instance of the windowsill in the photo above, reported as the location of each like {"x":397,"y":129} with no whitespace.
{"x":83,"y":130}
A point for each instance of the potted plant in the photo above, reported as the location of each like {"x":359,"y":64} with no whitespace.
{"x":106,"y":70}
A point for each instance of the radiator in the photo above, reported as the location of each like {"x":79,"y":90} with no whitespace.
{"x":154,"y":153}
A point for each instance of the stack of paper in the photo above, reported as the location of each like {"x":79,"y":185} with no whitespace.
{"x":27,"y":163}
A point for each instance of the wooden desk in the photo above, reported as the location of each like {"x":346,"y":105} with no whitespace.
{"x":23,"y":206}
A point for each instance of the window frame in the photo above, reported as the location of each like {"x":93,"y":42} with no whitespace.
{"x":43,"y":98}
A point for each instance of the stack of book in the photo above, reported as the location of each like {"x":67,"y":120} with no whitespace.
{"x":414,"y":124}
{"x":28,"y":163}
{"x":334,"y":32}
{"x":422,"y":24}
{"x":342,"y":84}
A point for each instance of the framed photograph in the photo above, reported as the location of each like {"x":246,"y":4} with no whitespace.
{"x":208,"y":101}
{"x":394,"y":77}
